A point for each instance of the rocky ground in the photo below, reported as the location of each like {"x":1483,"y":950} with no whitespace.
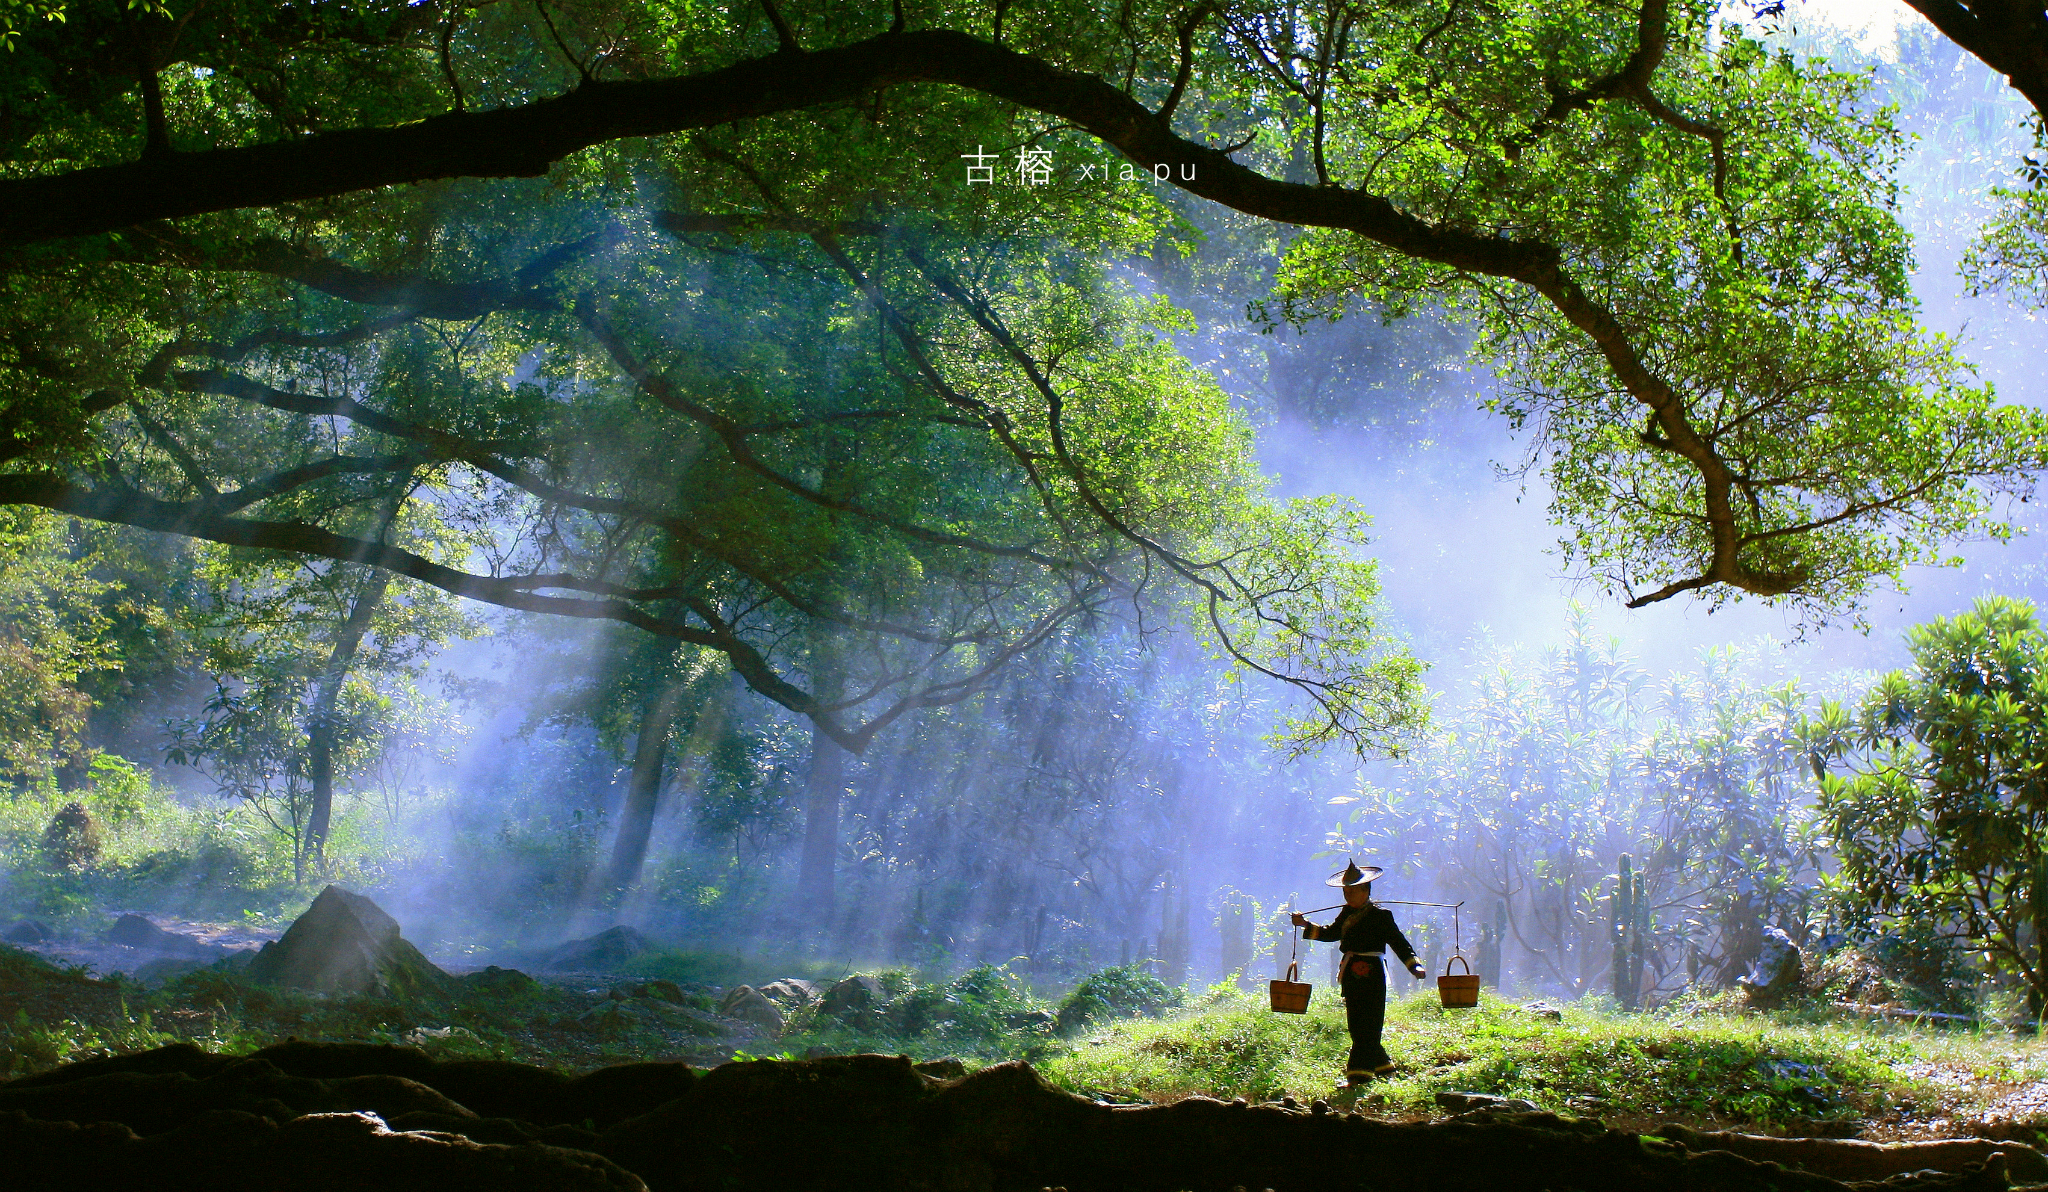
{"x":346,"y":1116}
{"x":177,"y":1081}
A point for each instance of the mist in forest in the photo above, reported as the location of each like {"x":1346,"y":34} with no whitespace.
{"x":1111,"y":800}
{"x":1111,"y":797}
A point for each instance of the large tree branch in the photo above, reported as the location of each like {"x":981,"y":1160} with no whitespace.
{"x":203,"y":520}
{"x":734,"y":435}
{"x":523,"y":140}
{"x":2009,"y":36}
{"x":163,"y":244}
{"x":485,"y":458}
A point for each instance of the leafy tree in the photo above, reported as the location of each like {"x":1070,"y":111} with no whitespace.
{"x":1935,"y":787}
{"x":1557,"y":764}
{"x":994,"y":456}
{"x":316,"y":668}
{"x":56,"y":634}
{"x":668,"y":708}
{"x":1621,"y":200}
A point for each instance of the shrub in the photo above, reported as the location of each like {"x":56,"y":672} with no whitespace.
{"x":1125,"y":991}
{"x":73,"y":840}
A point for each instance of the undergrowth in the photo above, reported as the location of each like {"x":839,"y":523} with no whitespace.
{"x":1701,"y":1062}
{"x":986,"y":1013}
{"x":1744,"y":1071}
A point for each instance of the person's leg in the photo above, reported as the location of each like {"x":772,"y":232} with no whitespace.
{"x":1357,"y":1017}
{"x":1372,"y":1019}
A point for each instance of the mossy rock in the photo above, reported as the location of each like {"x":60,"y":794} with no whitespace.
{"x":346,"y":944}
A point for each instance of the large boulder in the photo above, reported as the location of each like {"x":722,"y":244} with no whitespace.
{"x":854,"y":996}
{"x":599,"y":953}
{"x":28,"y":931}
{"x":790,"y":992}
{"x":746,"y":1003}
{"x":345,"y":943}
{"x":1778,"y":972}
{"x":136,"y":932}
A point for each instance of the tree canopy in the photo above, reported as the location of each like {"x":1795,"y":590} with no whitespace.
{"x":692,"y":317}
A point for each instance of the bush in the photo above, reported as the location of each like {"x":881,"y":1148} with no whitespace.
{"x":73,"y":840}
{"x":1125,"y":991}
{"x":986,"y":1013}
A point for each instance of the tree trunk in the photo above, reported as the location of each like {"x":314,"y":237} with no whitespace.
{"x":823,"y":787}
{"x":825,"y":784}
{"x":321,"y":729}
{"x":2037,"y":897}
{"x":643,"y":792}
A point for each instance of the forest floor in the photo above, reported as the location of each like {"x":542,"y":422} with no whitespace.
{"x":1704,"y":1065}
{"x":1701,"y":1065}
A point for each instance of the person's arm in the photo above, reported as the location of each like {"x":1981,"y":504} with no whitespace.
{"x":1310,"y":931}
{"x":1402,"y":948}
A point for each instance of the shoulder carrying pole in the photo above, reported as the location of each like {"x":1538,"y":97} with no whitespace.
{"x":1391,"y":902}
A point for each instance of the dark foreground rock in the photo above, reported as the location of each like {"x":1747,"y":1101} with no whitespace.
{"x":241,"y":1152}
{"x":345,"y":943}
{"x":1853,"y":1159}
{"x":320,"y":1116}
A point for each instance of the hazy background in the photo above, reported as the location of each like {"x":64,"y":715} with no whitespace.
{"x":1111,"y":800}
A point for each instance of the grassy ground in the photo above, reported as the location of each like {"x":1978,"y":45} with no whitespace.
{"x":1695,"y":1063}
{"x":1705,"y":1064}
{"x":51,"y":1015}
{"x":659,"y":1006}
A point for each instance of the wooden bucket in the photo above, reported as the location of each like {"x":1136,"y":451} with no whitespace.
{"x":1290,"y":996}
{"x":1457,"y":992}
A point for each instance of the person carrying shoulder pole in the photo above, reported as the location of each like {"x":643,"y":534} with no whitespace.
{"x":1364,"y":930}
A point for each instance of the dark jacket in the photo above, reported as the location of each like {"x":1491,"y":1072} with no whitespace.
{"x":1365,"y":929}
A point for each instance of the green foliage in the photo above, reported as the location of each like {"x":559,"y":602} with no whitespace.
{"x":767,"y":380}
{"x":55,"y":633}
{"x":160,"y":853}
{"x":299,"y":707}
{"x":1559,"y":759}
{"x":14,"y":14}
{"x":2010,"y":254}
{"x":1683,"y":1064}
{"x":1121,"y":992}
{"x":986,"y":1013}
{"x":1935,"y":787}
{"x":1754,"y":231}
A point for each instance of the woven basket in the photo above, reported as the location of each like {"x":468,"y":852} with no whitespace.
{"x":1290,"y":996}
{"x":1458,"y":992}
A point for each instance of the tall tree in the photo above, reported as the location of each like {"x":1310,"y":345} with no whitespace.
{"x":1622,"y":200}
{"x":664,"y":701}
{"x":1935,"y":788}
{"x":323,"y":723}
{"x":315,"y":665}
{"x":55,"y":633}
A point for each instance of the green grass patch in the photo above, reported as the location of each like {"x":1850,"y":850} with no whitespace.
{"x":985,"y":1014}
{"x":1687,"y":1064}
